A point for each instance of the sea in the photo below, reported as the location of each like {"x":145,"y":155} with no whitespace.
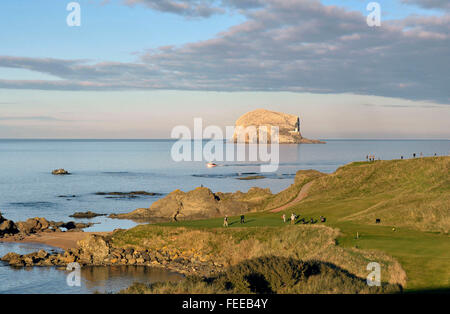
{"x":28,"y":189}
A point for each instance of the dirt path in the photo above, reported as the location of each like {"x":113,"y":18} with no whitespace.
{"x":63,"y":240}
{"x":301,"y":195}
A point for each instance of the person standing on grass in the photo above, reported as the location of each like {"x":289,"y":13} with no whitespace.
{"x":225,"y":221}
{"x":242,"y":219}
{"x":284,"y":218}
{"x":292,"y":218}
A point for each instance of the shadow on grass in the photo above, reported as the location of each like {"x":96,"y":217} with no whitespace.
{"x":238,"y":222}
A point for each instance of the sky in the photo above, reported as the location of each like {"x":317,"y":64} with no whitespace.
{"x":138,"y":68}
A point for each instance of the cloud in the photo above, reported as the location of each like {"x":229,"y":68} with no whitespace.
{"x":285,"y":45}
{"x":197,"y":8}
{"x":430,"y":4}
{"x":207,"y":8}
{"x":415,"y":105}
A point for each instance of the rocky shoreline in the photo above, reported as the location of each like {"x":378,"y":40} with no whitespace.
{"x":97,"y":250}
{"x":100,"y":249}
{"x":94,"y":249}
{"x":19,"y":230}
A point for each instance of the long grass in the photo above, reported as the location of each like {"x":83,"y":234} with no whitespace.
{"x":271,"y":275}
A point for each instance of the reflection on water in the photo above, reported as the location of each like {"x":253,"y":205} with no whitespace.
{"x":53,"y":279}
{"x":114,"y":278}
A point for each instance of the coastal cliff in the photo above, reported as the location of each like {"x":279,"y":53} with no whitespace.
{"x":288,"y":125}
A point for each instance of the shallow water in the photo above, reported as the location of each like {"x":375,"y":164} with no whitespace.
{"x":54,"y":280}
{"x":28,"y":189}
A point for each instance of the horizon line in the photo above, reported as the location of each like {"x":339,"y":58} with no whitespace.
{"x":177,"y":139}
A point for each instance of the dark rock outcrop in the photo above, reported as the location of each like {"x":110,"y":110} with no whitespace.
{"x":87,"y":214}
{"x":132,"y":194}
{"x":33,"y":225}
{"x":71,"y":226}
{"x":60,"y":172}
{"x":7,"y":226}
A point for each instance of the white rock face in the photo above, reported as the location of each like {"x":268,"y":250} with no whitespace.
{"x":289,"y":127}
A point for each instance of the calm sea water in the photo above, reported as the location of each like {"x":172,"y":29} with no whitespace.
{"x":28,"y":189}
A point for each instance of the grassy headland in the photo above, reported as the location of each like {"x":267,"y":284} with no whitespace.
{"x":411,"y":198}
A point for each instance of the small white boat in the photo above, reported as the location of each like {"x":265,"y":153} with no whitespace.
{"x":211,"y":165}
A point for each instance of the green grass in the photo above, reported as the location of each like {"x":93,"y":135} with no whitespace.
{"x":404,"y":189}
{"x":412,"y":196}
{"x":425,"y":256}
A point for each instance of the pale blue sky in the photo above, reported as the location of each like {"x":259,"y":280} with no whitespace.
{"x":110,"y":79}
{"x":114,"y":32}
